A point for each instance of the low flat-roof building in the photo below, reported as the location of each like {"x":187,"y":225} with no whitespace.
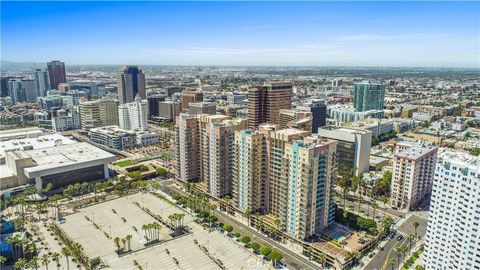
{"x":61,"y":165}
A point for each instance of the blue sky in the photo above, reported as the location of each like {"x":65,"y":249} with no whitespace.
{"x":432,"y":34}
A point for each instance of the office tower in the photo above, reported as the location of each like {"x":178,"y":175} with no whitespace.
{"x":42,"y":82}
{"x":4,"y":92}
{"x":249,"y":179}
{"x":130,"y":83}
{"x":187,"y":141}
{"x":310,"y":170}
{"x":353,"y":146}
{"x":368,"y":96}
{"x":277,"y":179}
{"x":265,"y":101}
{"x":295,"y":119}
{"x":153,"y":105}
{"x":190,"y":96}
{"x":30,"y":90}
{"x":319,"y":113}
{"x":98,"y":113}
{"x":17,"y":91}
{"x":221,"y":155}
{"x":56,"y":73}
{"x":412,"y":176}
{"x":453,"y":239}
{"x":63,"y":87}
{"x":202,"y":108}
{"x":168,"y":110}
{"x":133,"y":115}
{"x":236,"y":98}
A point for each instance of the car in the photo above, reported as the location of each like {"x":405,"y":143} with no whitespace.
{"x":400,"y":238}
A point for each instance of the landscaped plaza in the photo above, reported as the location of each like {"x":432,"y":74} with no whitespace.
{"x":97,"y":227}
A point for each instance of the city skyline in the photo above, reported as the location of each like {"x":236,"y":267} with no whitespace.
{"x":406,"y":34}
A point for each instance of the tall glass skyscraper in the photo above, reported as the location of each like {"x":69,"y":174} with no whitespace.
{"x":56,"y":73}
{"x":130,"y":83}
{"x":368,"y":96}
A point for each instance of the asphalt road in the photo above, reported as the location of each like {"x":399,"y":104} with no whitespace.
{"x":382,"y":259}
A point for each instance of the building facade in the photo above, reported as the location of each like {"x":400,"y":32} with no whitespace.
{"x":133,"y":115}
{"x":98,"y":113}
{"x":368,"y":96}
{"x":42,"y":82}
{"x":130,"y":83}
{"x":452,"y":240}
{"x":202,"y":108}
{"x":265,"y":102}
{"x":56,"y":73}
{"x":190,"y":96}
{"x":412,"y":176}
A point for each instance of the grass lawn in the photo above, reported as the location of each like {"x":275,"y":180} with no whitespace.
{"x":124,"y":163}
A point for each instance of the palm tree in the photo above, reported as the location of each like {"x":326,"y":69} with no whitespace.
{"x":321,"y":259}
{"x":399,"y":252}
{"x":393,"y":262}
{"x":416,"y":224}
{"x":33,"y":263}
{"x":117,"y":242}
{"x":129,"y":238}
{"x":3,"y":260}
{"x":410,"y":238}
{"x":374,"y":206}
{"x":66,"y":253}
{"x":124,"y":241}
{"x":20,"y":264}
{"x":45,"y":260}
{"x":56,"y":257}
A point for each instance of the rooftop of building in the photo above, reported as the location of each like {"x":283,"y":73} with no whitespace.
{"x":417,"y":151}
{"x":112,"y":130}
{"x":291,"y":131}
{"x":64,"y":155}
{"x":20,"y":133}
{"x":202,"y":104}
{"x":459,"y":157}
{"x":39,"y":142}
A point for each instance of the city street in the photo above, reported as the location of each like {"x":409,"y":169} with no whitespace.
{"x":381,"y":260}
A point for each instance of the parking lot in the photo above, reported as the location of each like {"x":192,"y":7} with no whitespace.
{"x":199,"y":250}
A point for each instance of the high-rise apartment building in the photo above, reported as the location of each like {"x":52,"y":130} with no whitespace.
{"x":187,"y":154}
{"x":221,"y":155}
{"x":368,"y":96}
{"x":310,"y":170}
{"x":249,"y":180}
{"x":42,"y":82}
{"x":98,"y":113}
{"x":265,"y":102}
{"x":452,"y":240}
{"x":412,"y":176}
{"x":202,"y":108}
{"x":30,"y":90}
{"x":133,"y":115}
{"x":277,"y":179}
{"x":353,"y":146}
{"x":190,"y":96}
{"x":56,"y":73}
{"x":130,"y":83}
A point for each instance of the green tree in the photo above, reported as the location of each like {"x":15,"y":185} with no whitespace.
{"x":345,"y":181}
{"x":474,"y":152}
{"x":415,"y":225}
{"x":20,"y":264}
{"x":275,"y":256}
{"x":255,"y":246}
{"x":55,"y":258}
{"x":265,"y":251}
{"x":45,"y":259}
{"x":245,"y":240}
{"x":228,"y":228}
{"x":162,"y":172}
{"x":66,"y":252}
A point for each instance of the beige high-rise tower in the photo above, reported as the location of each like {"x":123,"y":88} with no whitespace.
{"x":265,"y":102}
{"x":98,"y":113}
